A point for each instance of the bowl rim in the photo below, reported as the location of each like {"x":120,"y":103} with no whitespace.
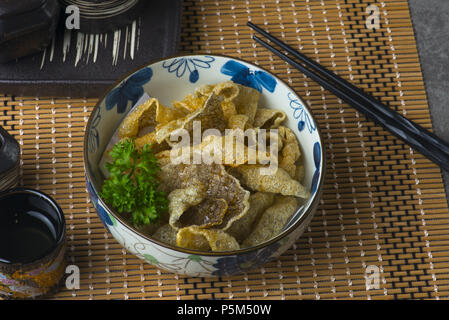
{"x":316,"y":196}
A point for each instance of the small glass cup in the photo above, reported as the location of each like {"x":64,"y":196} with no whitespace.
{"x":32,"y":244}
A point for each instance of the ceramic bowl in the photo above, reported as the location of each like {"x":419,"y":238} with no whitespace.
{"x":172,"y":79}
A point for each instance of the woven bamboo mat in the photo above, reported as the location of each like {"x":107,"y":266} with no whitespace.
{"x":383,"y":205}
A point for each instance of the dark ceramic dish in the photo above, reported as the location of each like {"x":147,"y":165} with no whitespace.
{"x":26,"y":27}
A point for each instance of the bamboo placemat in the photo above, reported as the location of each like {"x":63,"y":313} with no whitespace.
{"x":383,"y":205}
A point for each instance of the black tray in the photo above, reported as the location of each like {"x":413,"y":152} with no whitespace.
{"x":156,"y":35}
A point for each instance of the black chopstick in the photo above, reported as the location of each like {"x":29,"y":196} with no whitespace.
{"x":413,"y":134}
{"x":349,"y":87}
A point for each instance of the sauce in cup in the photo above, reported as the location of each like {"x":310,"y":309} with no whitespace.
{"x":32,"y":243}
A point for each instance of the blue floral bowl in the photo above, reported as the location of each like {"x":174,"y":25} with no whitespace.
{"x":171,"y":79}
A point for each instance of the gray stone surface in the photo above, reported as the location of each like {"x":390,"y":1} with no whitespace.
{"x":431,"y":23}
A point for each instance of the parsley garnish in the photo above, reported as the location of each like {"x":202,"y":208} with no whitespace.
{"x":132,"y":186}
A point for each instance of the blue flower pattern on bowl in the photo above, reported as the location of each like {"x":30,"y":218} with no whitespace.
{"x":317,"y":161}
{"x":241,"y":74}
{"x":244,"y":262}
{"x":102,"y":213}
{"x":129,"y":90}
{"x":94,"y":136}
{"x":301,"y":114}
{"x":180,"y":65}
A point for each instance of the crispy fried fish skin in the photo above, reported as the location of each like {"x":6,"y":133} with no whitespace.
{"x":191,"y":102}
{"x":238,"y":121}
{"x":182,"y":199}
{"x":278,"y":181}
{"x":237,"y":99}
{"x":148,"y":114}
{"x":169,"y":178}
{"x":150,"y":138}
{"x":210,"y":115}
{"x":229,"y":150}
{"x":299,"y":173}
{"x":268,"y":118}
{"x":229,"y":91}
{"x":163,"y":157}
{"x":220,"y":185}
{"x":204,"y":90}
{"x":246,"y":102}
{"x":258,"y":203}
{"x":290,"y":152}
{"x":166,"y":234}
{"x":143,"y":115}
{"x":224,"y":186}
{"x":272,"y":221}
{"x":162,"y":133}
{"x":210,"y":212}
{"x":197,"y":238}
{"x":266,"y":139}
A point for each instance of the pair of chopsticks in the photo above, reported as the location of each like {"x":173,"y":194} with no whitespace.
{"x":422,"y":140}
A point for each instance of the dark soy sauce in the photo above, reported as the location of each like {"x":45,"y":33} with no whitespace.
{"x":28,"y":228}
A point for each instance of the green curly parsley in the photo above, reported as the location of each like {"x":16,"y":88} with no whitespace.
{"x":132,"y":186}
